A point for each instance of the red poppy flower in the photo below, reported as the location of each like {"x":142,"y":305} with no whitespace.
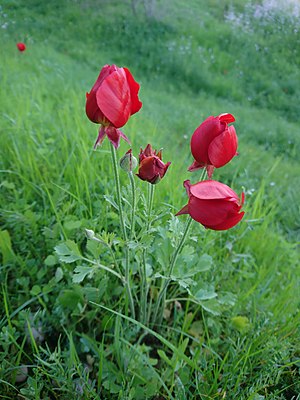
{"x":21,"y":46}
{"x":151,"y":168}
{"x":213,"y":204}
{"x":111,"y":102}
{"x":214,"y":143}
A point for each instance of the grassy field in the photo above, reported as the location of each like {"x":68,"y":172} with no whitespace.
{"x":193,"y":59}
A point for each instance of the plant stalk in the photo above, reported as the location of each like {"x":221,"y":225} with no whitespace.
{"x":123,"y":228}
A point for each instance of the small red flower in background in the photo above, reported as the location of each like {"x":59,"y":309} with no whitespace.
{"x":213,"y":204}
{"x":21,"y":46}
{"x":151,"y":167}
{"x":111,"y":102}
{"x":214,"y":143}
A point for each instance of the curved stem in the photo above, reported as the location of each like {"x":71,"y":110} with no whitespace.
{"x":123,"y":228}
{"x":162,"y":293}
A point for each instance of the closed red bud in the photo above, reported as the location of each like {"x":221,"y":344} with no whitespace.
{"x":213,"y":204}
{"x":151,"y":167}
{"x":214,"y":143}
{"x":21,"y":46}
{"x":111,"y":102}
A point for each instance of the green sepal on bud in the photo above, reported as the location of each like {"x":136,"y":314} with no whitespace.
{"x":128,"y":162}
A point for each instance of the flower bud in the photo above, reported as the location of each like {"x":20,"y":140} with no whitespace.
{"x":89,"y":233}
{"x":151,"y":168}
{"x":128,"y":162}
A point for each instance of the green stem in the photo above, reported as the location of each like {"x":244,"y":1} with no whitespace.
{"x":133,"y":206}
{"x":144,"y":289}
{"x":123,"y":228}
{"x":162,"y":293}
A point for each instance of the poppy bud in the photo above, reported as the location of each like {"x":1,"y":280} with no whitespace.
{"x":21,"y":46}
{"x":128,"y":162}
{"x":213,"y":204}
{"x":214,"y":143}
{"x":151,"y":168}
{"x":111,"y":102}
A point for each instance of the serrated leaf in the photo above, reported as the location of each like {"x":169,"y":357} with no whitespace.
{"x":212,"y":306}
{"x":204,"y":263}
{"x":68,"y":252}
{"x":81,"y":272}
{"x":205,"y":294}
{"x":94,"y":248}
{"x":189,"y":264}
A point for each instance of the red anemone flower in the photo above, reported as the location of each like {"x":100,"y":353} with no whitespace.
{"x":21,"y":46}
{"x":213,"y":204}
{"x":151,"y":167}
{"x":111,"y":102}
{"x":214,"y":143}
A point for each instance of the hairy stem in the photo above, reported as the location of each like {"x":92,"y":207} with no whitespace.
{"x":123,"y":228}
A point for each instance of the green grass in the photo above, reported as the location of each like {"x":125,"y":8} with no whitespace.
{"x":191,"y":63}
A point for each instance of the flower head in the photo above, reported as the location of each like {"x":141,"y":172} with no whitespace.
{"x":214,"y":143}
{"x":213,"y":204}
{"x":111,"y":101}
{"x":151,"y":167}
{"x":21,"y":46}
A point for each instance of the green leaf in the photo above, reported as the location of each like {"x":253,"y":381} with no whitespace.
{"x":58,"y":274}
{"x":94,"y":248}
{"x":81,"y":272}
{"x":50,"y":261}
{"x":71,"y":225}
{"x":111,"y":201}
{"x":189,"y":264}
{"x":203,"y":291}
{"x":164,"y":357}
{"x":36,"y":289}
{"x":70,"y":298}
{"x":205,"y":263}
{"x":212,"y":306}
{"x":240,"y":323}
{"x":5,"y":247}
{"x":68,"y":252}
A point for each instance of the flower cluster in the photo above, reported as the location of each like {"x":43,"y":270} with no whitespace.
{"x":111,"y":102}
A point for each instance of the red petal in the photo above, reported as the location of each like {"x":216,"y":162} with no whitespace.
{"x":211,"y":212}
{"x":223,"y":148}
{"x":91,"y":108}
{"x":228,"y":223}
{"x":136,"y":104}
{"x":113,"y":98}
{"x":213,"y":190}
{"x":226,"y":118}
{"x":202,"y":138}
